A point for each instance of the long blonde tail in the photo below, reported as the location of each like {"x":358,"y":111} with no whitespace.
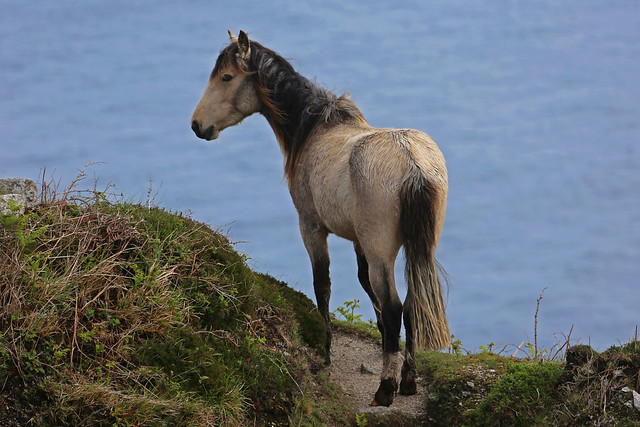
{"x":424,"y":301}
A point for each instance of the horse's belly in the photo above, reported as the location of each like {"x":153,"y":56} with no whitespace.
{"x":334,"y":203}
{"x":341,"y":228}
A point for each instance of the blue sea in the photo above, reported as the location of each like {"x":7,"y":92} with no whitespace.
{"x":535,"y":105}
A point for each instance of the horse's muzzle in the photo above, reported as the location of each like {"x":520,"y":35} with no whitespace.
{"x":208,"y":133}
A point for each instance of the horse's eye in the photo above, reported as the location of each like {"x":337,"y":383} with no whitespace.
{"x":226,"y":77}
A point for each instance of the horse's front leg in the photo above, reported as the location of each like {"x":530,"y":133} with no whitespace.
{"x":315,"y":240}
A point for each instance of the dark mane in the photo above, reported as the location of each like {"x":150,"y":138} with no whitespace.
{"x":292,"y":104}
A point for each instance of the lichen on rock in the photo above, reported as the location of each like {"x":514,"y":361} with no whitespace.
{"x":16,"y":194}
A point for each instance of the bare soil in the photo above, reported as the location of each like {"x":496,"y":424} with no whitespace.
{"x":351,"y":353}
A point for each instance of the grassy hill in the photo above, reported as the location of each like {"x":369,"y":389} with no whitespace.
{"x":121,"y":314}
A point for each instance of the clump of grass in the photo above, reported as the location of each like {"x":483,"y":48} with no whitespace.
{"x":521,"y":395}
{"x":592,"y":384}
{"x":588,"y":388}
{"x":115,"y":313}
{"x":567,"y":385}
{"x":458,"y":383}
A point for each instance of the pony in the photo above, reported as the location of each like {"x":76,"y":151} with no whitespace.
{"x":380,"y":188}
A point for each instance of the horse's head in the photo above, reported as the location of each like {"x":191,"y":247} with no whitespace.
{"x":231,"y":94}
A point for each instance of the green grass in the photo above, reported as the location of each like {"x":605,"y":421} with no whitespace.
{"x":117,"y":314}
{"x":488,"y":389}
{"x":524,"y":392}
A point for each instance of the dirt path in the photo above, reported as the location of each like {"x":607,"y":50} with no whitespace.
{"x":349,"y":353}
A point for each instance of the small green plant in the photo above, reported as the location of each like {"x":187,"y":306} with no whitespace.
{"x":361,"y":420}
{"x":488,"y":348}
{"x":455,"y":347}
{"x":11,"y":218}
{"x":534,"y":353}
{"x":31,"y":364}
{"x":348,"y":311}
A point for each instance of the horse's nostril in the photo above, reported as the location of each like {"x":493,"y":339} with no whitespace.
{"x":196,"y":127}
{"x":203,"y":133}
{"x":208,"y":133}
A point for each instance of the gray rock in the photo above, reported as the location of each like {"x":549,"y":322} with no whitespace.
{"x":635,"y":401}
{"x":7,"y":201}
{"x":19,"y":186}
{"x":367,"y":368}
{"x":17,"y":191}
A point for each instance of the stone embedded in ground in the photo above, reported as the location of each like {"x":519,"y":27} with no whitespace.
{"x":367,"y":368}
{"x":635,"y":401}
{"x":8,"y":202}
{"x":22,"y":186}
{"x":16,"y":192}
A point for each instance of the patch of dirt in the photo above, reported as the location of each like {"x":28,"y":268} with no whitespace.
{"x":351,"y":353}
{"x":18,"y":403}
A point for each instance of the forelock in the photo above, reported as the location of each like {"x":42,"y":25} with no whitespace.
{"x":227,"y":58}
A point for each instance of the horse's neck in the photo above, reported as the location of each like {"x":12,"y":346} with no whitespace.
{"x":295,"y":106}
{"x":296,"y":97}
{"x":294,"y":103}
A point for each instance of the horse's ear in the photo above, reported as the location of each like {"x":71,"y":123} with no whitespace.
{"x":244,"y":49}
{"x":232,"y":38}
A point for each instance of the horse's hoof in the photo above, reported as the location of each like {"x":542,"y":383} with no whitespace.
{"x":384,"y":395}
{"x":409,"y":387}
{"x":408,"y":383}
{"x":382,"y":399}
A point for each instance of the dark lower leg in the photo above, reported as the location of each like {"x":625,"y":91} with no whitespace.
{"x":322,"y":288}
{"x":391,"y":318}
{"x":315,"y":241}
{"x":409,"y":371}
{"x":363,"y":277}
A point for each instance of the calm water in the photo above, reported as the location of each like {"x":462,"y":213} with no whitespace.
{"x":535,"y":105}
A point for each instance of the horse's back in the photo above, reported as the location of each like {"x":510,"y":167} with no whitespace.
{"x":350,"y":177}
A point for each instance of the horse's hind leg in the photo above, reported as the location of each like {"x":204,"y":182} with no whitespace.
{"x":409,"y":371}
{"x":315,"y":241}
{"x":363,"y":277}
{"x":383,"y":285}
{"x":378,"y":237}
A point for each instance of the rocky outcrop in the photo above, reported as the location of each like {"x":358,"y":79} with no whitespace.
{"x":635,"y":398}
{"x":16,"y":194}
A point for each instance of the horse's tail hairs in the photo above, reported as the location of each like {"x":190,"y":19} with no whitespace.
{"x":425,"y":299}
